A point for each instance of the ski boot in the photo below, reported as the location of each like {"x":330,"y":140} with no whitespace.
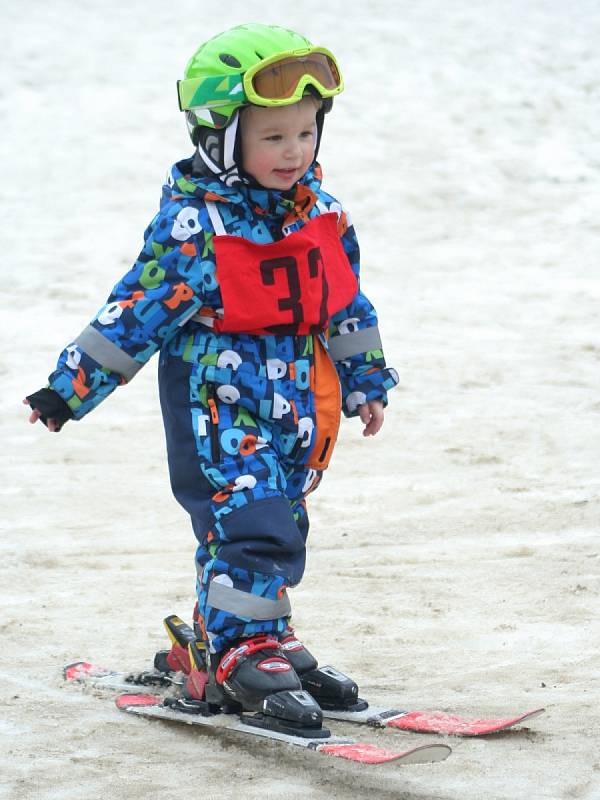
{"x":332,"y":690}
{"x":254,"y":675}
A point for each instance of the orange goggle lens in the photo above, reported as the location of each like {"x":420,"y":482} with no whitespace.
{"x":281,"y":80}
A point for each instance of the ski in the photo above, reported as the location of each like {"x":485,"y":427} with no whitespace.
{"x":102,"y":678}
{"x":430,"y":721}
{"x":154,"y":706}
{"x":374,"y":716}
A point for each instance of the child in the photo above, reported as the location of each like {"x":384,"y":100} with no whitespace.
{"x":248,"y":286}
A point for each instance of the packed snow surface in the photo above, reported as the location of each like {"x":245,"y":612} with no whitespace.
{"x":453,"y":560}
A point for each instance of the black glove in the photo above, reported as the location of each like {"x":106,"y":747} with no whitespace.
{"x":50,"y":405}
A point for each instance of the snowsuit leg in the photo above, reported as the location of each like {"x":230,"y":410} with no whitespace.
{"x":235,"y":474}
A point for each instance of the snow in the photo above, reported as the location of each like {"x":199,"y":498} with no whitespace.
{"x":455,"y":556}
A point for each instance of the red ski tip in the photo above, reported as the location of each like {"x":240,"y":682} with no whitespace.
{"x":131,"y":700}
{"x":371,"y":754}
{"x":78,"y":670}
{"x":450,"y":724}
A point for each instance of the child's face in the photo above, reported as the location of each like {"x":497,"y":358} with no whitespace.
{"x":278,"y":144}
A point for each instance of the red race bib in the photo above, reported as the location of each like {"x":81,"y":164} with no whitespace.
{"x":294,"y":285}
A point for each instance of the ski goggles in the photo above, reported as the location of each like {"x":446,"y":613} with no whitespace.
{"x":275,"y":81}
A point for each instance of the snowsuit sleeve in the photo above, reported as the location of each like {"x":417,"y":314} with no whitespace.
{"x":160,"y":293}
{"x":355,"y":345}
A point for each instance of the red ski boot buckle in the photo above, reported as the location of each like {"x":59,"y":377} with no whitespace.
{"x":240,"y":653}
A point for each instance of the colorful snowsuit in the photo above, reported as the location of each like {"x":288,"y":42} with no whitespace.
{"x":251,"y":296}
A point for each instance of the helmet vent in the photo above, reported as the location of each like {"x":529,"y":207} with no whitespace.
{"x":230,"y":60}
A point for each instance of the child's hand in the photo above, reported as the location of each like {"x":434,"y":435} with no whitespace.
{"x":371,"y":414}
{"x":52,"y":424}
{"x":48,"y":407}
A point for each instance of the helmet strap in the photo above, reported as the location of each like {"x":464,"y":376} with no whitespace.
{"x":320,"y":119}
{"x":216,"y":152}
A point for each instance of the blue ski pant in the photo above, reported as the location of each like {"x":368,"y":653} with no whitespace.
{"x":243,"y":479}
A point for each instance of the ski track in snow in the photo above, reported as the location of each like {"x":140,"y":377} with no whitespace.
{"x":455,"y":556}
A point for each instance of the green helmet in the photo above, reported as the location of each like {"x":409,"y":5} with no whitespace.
{"x":213,"y":87}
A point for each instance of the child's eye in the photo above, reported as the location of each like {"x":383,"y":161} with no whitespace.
{"x":276,"y":137}
{"x":306,"y":134}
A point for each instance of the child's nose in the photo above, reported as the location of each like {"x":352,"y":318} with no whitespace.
{"x":293,"y":149}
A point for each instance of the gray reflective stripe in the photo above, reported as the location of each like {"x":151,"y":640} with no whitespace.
{"x":107,"y":354}
{"x":244,"y":604}
{"x":349,"y":344}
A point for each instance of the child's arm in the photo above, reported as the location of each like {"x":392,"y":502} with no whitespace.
{"x":355,"y":347}
{"x":159,"y":294}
